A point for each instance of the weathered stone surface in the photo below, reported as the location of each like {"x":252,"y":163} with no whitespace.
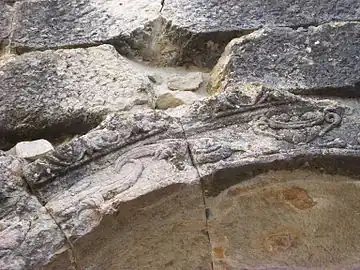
{"x":184,"y":31}
{"x":190,"y":82}
{"x":70,"y":23}
{"x":125,"y":157}
{"x":222,"y":16}
{"x":29,"y":237}
{"x":198,"y":31}
{"x":5,"y":21}
{"x":44,"y":94}
{"x":278,"y":170}
{"x":167,"y":100}
{"x":234,"y":129}
{"x":321,"y":60}
{"x":100,"y":178}
{"x":277,"y":220}
{"x":286,"y":220}
{"x":161,"y":230}
{"x":32,"y":150}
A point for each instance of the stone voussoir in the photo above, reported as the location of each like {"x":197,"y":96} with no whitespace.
{"x":322,"y":60}
{"x":44,"y":94}
{"x":29,"y":237}
{"x":273,"y":167}
{"x":132,"y":169}
{"x":235,"y":129}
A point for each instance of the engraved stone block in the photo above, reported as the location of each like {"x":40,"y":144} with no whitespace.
{"x":133,"y":170}
{"x":29,"y":237}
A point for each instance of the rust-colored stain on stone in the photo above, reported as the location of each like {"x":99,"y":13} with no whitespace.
{"x":298,"y":198}
{"x":219,"y":252}
{"x":280,"y":241}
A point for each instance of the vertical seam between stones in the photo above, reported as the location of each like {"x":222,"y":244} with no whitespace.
{"x":72,"y":249}
{"x":202,"y":190}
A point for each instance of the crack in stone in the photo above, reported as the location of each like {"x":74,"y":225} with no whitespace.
{"x":74,"y":259}
{"x":32,"y":192}
{"x":206,"y":209}
{"x":162,"y":5}
{"x":314,"y":24}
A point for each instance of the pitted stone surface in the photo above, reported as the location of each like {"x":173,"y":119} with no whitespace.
{"x":184,"y":31}
{"x":5,"y":23}
{"x":54,"y":24}
{"x":321,"y":60}
{"x":203,"y":16}
{"x":29,"y":237}
{"x":125,"y":192}
{"x":65,"y":89}
{"x":235,"y":129}
{"x":125,"y":157}
{"x":201,"y":29}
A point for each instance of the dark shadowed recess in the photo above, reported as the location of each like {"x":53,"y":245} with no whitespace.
{"x":346,"y":164}
{"x":56,"y":133}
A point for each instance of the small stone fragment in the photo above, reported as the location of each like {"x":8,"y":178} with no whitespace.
{"x":189,"y":82}
{"x":156,"y":79}
{"x":33,"y":149}
{"x":168,"y":100}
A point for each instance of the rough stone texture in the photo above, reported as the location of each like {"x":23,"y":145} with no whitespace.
{"x":321,"y":60}
{"x":54,"y":24}
{"x":29,"y":237}
{"x":43,"y":94}
{"x":185,"y":31}
{"x":233,"y":128}
{"x":255,"y":177}
{"x":167,"y":100}
{"x":235,"y":136}
{"x":5,"y":21}
{"x":199,"y":30}
{"x":32,"y":150}
{"x":133,"y":172}
{"x":104,"y":174}
{"x":220,"y":16}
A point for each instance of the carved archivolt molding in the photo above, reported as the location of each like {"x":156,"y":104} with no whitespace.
{"x":297,"y":126}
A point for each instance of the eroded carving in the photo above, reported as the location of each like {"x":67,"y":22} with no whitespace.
{"x":237,"y":101}
{"x":209,"y":150}
{"x":115,"y":132}
{"x":298,"y":127}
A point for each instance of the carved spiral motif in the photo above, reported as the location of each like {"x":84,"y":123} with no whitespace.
{"x":298,"y":128}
